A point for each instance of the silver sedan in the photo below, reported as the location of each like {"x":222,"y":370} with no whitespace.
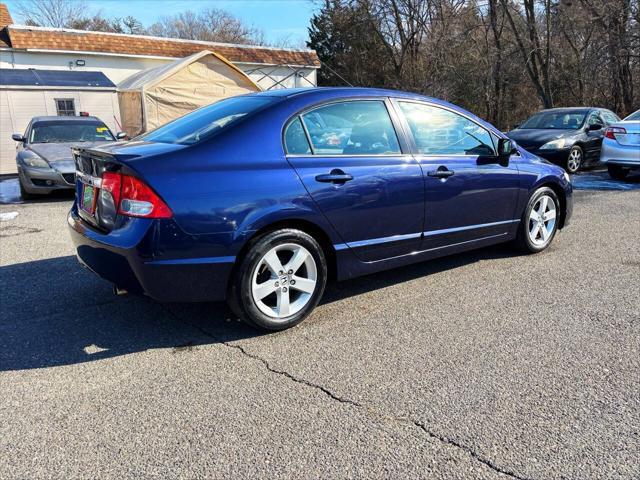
{"x":621,"y":147}
{"x":43,"y":155}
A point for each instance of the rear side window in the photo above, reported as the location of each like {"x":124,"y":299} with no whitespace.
{"x":206,"y":121}
{"x":295,"y":140}
{"x":437,"y":131}
{"x":361,"y":127}
{"x":609,"y":117}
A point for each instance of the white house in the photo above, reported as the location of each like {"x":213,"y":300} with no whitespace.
{"x":116,"y":56}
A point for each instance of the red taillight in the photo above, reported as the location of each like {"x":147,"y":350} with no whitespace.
{"x":111,"y":183}
{"x":612,"y":131}
{"x":133,"y":197}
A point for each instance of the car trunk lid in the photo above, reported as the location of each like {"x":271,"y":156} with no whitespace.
{"x":96,"y":204}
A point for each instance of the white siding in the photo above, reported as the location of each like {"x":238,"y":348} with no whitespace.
{"x":7,"y":146}
{"x":18,"y":107}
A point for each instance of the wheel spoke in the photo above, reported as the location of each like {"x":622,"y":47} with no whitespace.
{"x":543,"y":205}
{"x":534,"y":230}
{"x":273,"y":262}
{"x":297,"y":260}
{"x":544,"y":232}
{"x":283,"y":303}
{"x":262,"y":290}
{"x":303,"y":284}
{"x":550,"y":215}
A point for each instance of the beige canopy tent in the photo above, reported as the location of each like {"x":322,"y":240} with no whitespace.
{"x":155,"y":96}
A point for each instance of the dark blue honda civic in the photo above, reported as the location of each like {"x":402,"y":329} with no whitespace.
{"x":258,"y":199}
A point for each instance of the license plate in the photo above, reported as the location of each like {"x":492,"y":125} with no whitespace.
{"x":88,"y":203}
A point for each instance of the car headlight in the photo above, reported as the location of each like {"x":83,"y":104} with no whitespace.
{"x":554,"y":144}
{"x":33,"y":160}
{"x":566,"y":176}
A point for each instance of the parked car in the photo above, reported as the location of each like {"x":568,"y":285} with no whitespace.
{"x":621,"y":147}
{"x":570,"y":137}
{"x":238,"y":201}
{"x":44,"y":156}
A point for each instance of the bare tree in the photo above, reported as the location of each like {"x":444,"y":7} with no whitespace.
{"x":209,"y":24}
{"x":50,"y":13}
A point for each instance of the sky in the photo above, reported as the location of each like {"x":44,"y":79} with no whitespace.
{"x":279,"y":19}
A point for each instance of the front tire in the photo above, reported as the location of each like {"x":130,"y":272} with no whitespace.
{"x":539,"y":222}
{"x":23,"y":192}
{"x":574,"y":159}
{"x":279,"y":280}
{"x":617,"y":172}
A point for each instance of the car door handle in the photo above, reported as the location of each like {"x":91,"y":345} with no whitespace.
{"x":441,"y":172}
{"x":335,"y":176}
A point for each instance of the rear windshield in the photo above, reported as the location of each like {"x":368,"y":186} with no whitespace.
{"x":556,"y":120}
{"x":204,"y":122}
{"x":634,"y":116}
{"x":70,"y":131}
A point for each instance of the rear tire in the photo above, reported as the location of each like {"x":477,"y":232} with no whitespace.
{"x":539,"y":222}
{"x":617,"y":172}
{"x":279,"y":280}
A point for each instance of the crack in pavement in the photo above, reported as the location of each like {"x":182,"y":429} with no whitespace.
{"x":371,"y":409}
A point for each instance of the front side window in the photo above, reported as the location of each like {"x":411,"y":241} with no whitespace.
{"x":360,"y":127}
{"x":65,"y":107}
{"x":594,"y":119}
{"x":77,"y":131}
{"x":437,"y":131}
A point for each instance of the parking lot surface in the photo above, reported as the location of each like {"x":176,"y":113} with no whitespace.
{"x":483,"y":365}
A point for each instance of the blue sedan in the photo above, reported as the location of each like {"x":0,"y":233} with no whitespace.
{"x":259,"y":199}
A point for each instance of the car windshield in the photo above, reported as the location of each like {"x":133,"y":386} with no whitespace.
{"x":633,"y":116}
{"x":204,"y":122}
{"x":67,"y":131}
{"x":572,"y":120}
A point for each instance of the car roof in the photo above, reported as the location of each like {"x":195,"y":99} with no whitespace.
{"x":570,"y":109}
{"x":322,"y":94}
{"x":64,"y":118}
{"x":343,"y":91}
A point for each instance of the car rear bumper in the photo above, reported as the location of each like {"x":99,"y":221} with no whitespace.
{"x":624,"y":155}
{"x":127,"y":260}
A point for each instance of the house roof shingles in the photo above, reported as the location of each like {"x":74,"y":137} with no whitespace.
{"x":5,"y":16}
{"x":22,"y":37}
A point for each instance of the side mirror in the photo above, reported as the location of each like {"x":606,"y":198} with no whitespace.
{"x":18,"y":137}
{"x":506,"y":147}
{"x":595,"y":126}
{"x":515,"y":125}
{"x":121,"y":135}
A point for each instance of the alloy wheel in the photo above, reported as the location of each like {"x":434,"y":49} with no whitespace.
{"x":574,"y":161}
{"x":542,"y":221}
{"x":284,"y":280}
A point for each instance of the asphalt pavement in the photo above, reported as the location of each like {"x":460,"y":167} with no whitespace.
{"x":488,"y":364}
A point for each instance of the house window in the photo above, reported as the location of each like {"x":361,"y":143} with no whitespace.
{"x":65,"y":107}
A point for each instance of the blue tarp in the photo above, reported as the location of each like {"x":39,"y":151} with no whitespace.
{"x":53,"y":78}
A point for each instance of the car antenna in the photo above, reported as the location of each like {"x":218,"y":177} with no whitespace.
{"x":336,"y":73}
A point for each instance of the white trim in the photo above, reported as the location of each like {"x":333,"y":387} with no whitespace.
{"x":164,"y":39}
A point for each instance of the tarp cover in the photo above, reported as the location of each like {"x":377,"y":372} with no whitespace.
{"x":153,"y":97}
